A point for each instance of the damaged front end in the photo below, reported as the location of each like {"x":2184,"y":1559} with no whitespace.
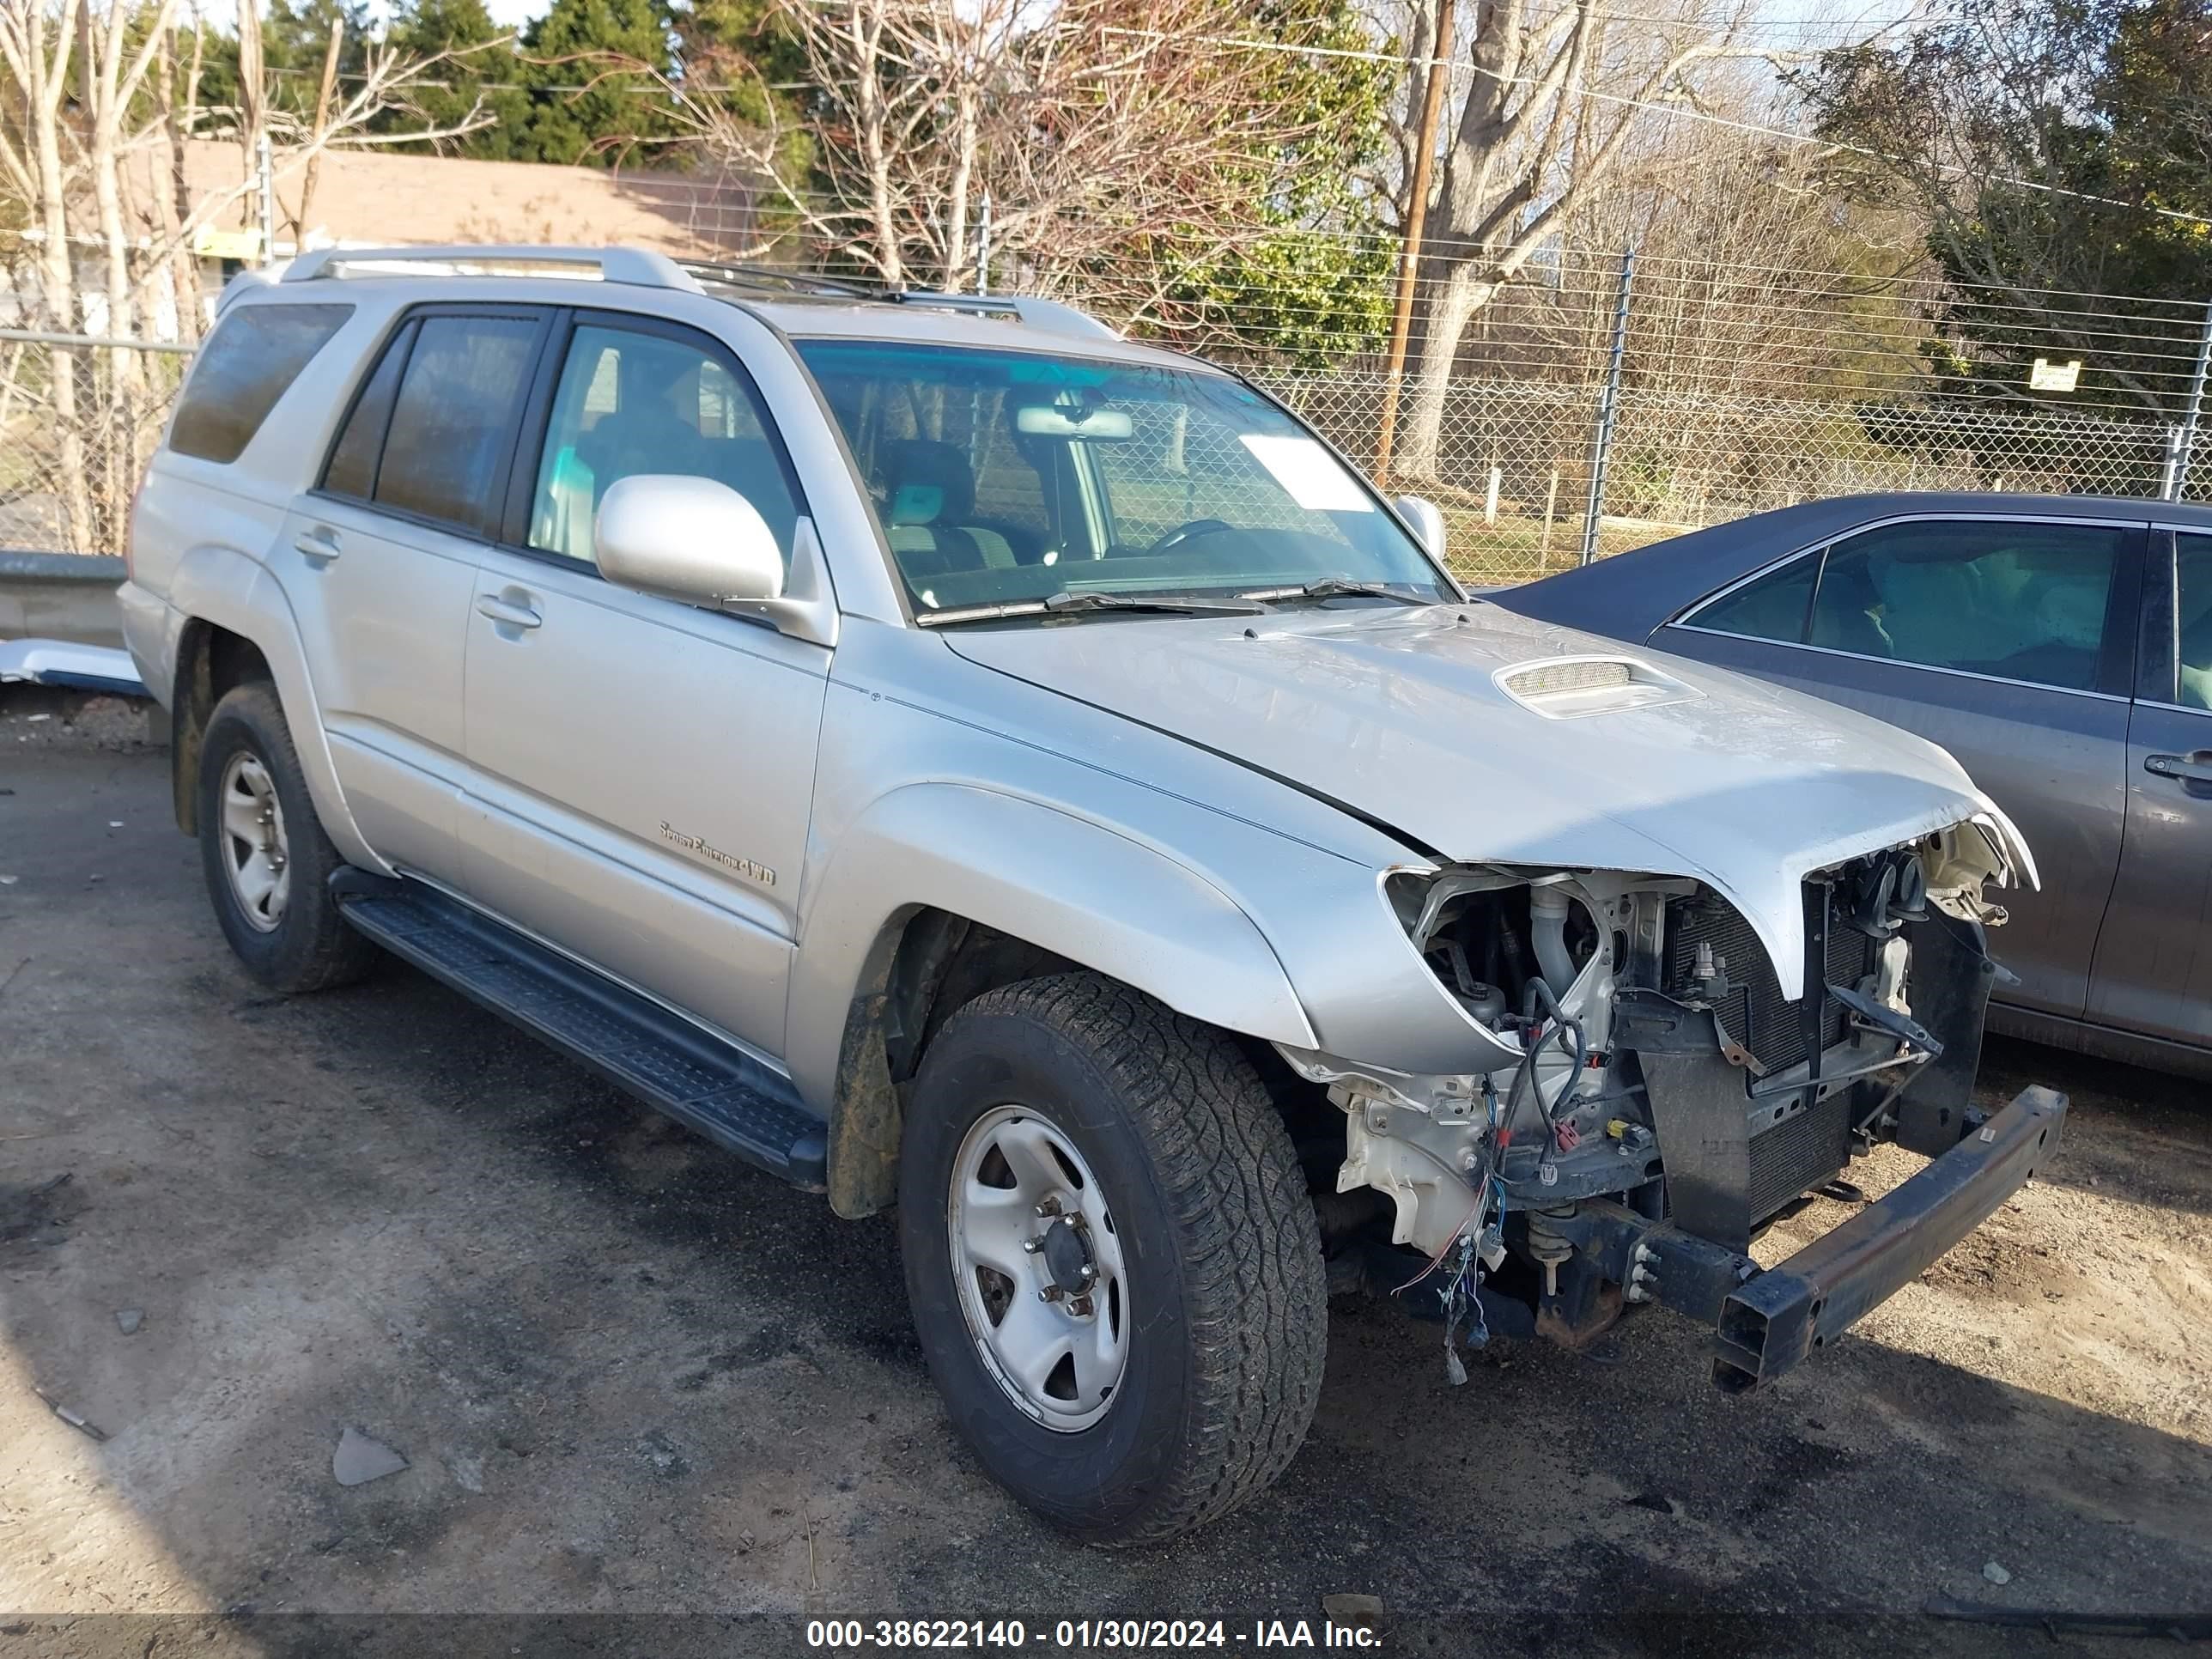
{"x":1648,"y":1095}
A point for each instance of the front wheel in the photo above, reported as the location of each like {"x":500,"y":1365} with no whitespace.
{"x":1111,"y":1256}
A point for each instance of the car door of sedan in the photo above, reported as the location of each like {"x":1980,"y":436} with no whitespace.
{"x":2009,"y":641}
{"x":2154,"y":971}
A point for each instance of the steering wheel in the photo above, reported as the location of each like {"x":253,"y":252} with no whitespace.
{"x":1183,"y":532}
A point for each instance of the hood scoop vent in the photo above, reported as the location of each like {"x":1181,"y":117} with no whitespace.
{"x":1567,"y":687}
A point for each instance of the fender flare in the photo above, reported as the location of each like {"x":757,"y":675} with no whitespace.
{"x":1066,"y":885}
{"x":225,"y":587}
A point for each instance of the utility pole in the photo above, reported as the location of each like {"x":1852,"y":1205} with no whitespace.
{"x":2185,"y":443}
{"x":1416,"y":221}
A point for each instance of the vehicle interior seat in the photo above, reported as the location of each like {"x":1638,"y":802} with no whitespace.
{"x":1843,"y":614}
{"x":929,"y":499}
{"x":1931,"y":609}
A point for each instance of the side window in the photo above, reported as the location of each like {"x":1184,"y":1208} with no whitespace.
{"x":453,"y":421}
{"x":1772,"y":607}
{"x":2192,"y":571}
{"x":248,"y":363}
{"x":2018,"y":600}
{"x":352,"y":467}
{"x":630,"y":402}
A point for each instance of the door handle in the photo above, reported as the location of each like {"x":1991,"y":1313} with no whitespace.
{"x":320,"y":542}
{"x":508,"y":613}
{"x":2193,"y":771}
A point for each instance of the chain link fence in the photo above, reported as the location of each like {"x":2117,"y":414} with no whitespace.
{"x":1514,"y":460}
{"x":79,"y":416}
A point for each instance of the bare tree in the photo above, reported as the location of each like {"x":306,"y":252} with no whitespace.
{"x":1555,"y":95}
{"x":1121,"y":140}
{"x":37,"y":43}
{"x":71,"y":170}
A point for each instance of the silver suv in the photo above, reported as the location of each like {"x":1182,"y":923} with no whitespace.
{"x":956,"y":758}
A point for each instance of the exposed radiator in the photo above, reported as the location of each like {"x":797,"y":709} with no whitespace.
{"x":1754,"y":1010}
{"x":1799,"y":1152}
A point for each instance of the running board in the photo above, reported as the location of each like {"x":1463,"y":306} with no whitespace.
{"x":710,"y":1085}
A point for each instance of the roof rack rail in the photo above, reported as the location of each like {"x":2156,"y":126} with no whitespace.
{"x":638,"y":267}
{"x":1050,"y":315}
{"x":771,"y":277}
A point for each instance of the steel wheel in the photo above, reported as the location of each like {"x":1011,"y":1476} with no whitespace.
{"x":1039,"y":1268}
{"x":255,"y":854}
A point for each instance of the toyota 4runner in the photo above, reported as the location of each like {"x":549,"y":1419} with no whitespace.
{"x":957,"y":759}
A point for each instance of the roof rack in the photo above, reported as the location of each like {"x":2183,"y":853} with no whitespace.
{"x":781,"y":280}
{"x":636,"y":266}
{"x":1050,"y":315}
{"x":641,"y":267}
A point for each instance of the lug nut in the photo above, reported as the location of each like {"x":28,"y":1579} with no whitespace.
{"x":1049,"y":1206}
{"x":1049,"y":1293}
{"x":1080,"y":1307}
{"x":1032,"y":1245}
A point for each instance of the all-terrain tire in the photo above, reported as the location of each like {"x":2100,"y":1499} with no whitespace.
{"x":1222,"y":1255}
{"x":311,"y":948}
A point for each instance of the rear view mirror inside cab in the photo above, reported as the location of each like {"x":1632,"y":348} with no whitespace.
{"x":1062,"y":421}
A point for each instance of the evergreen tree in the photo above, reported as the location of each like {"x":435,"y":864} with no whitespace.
{"x":575,"y":45}
{"x":493,"y":75}
{"x":294,"y":36}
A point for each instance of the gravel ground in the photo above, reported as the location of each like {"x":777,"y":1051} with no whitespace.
{"x":631,"y":1378}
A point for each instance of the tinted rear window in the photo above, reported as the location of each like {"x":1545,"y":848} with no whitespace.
{"x":249,"y":361}
{"x":453,"y":423}
{"x":352,"y":470}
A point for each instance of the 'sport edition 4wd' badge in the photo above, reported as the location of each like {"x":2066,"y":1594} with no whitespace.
{"x":729,"y":861}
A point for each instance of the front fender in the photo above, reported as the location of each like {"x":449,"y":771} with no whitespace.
{"x":1059,"y":882}
{"x":222,"y":586}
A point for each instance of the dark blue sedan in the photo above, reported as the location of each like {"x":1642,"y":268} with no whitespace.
{"x":2060,"y":646}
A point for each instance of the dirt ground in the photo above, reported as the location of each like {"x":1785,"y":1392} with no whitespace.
{"x":635,"y":1380}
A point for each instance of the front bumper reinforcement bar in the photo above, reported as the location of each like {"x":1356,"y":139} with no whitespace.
{"x":1772,"y":1322}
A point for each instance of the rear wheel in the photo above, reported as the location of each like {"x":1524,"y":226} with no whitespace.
{"x":1111,"y":1256}
{"x":267,"y":861}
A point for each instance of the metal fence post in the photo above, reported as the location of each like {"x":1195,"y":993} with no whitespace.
{"x":2185,"y":445}
{"x":265,"y":186}
{"x":1608,"y":410}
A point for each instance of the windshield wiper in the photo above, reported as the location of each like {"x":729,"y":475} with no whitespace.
{"x":1333,"y":587}
{"x":1069,"y":600}
{"x":1091,"y":598}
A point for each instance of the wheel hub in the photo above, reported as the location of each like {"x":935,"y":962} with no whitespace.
{"x":257,"y":856}
{"x":1067,"y":1256}
{"x":1038,"y":1268}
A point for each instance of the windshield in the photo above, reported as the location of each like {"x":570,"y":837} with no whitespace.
{"x":1008,"y":476}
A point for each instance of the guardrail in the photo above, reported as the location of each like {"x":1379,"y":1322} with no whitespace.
{"x":60,"y":596}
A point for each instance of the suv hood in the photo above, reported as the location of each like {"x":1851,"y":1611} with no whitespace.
{"x":1408,"y":718}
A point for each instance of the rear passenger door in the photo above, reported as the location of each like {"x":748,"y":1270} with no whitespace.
{"x":2010,"y":642}
{"x":641,"y":769}
{"x":380,"y":560}
{"x":2154,"y":956}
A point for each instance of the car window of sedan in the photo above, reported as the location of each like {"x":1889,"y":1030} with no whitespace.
{"x":2013,"y":600}
{"x":2193,"y":618}
{"x":1770,"y":607}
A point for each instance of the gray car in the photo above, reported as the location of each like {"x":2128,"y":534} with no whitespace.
{"x":961,"y":760}
{"x":2060,"y":646}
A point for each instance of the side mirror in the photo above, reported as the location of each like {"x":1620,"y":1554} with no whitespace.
{"x":694,"y":539}
{"x":1428,"y":523}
